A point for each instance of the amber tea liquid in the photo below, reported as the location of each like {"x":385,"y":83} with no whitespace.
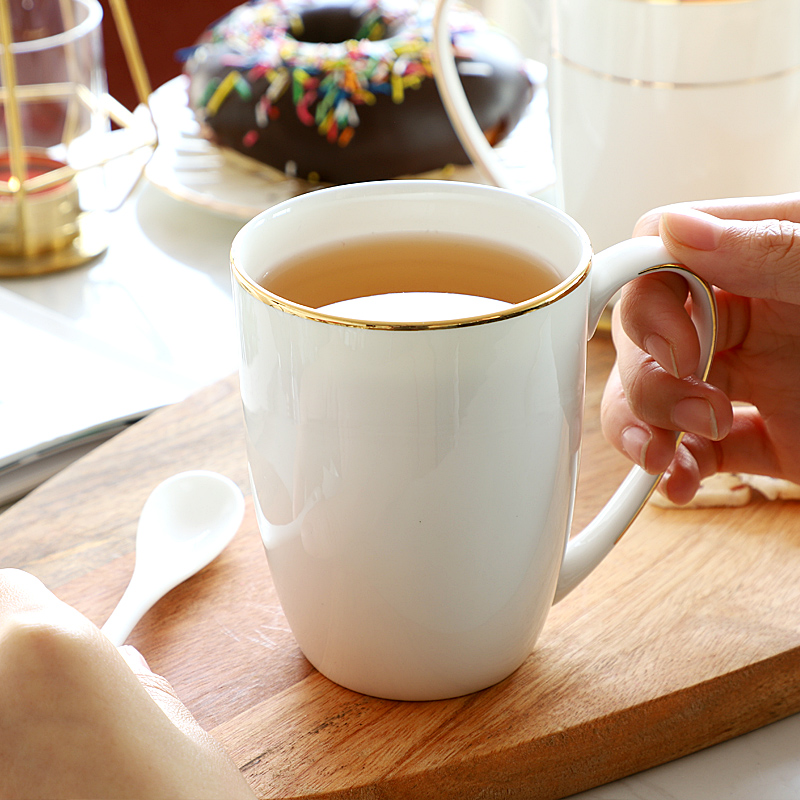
{"x":411,"y":276}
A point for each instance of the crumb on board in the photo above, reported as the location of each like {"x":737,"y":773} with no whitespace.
{"x":731,"y":489}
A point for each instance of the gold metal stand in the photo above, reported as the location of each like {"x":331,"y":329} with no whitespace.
{"x":43,"y":224}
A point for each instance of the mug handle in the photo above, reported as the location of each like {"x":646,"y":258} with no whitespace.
{"x":611,"y":270}
{"x":454,"y":99}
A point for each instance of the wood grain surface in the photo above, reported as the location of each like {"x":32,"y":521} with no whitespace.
{"x":687,"y":635}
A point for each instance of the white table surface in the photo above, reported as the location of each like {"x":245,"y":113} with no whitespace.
{"x":161,"y":294}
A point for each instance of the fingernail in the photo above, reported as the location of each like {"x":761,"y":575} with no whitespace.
{"x":696,"y":415}
{"x":693,"y":228}
{"x":663,"y":352}
{"x":635,"y":441}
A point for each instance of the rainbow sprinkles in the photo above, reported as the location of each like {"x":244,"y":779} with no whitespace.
{"x":388,"y":54}
{"x":336,"y":91}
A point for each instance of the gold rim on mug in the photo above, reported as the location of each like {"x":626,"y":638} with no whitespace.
{"x":562,"y":289}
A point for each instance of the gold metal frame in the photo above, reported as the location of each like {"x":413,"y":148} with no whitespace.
{"x":32,"y":254}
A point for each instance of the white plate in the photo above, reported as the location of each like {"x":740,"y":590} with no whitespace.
{"x":189,"y":168}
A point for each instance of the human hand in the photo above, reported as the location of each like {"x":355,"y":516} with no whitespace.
{"x":76,"y":720}
{"x":749,"y":250}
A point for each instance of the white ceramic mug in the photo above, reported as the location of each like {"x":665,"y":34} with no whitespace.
{"x":414,"y":483}
{"x":655,"y":102}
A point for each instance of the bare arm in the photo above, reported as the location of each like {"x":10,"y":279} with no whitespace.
{"x":78,"y":718}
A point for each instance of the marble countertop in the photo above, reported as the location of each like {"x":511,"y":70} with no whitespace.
{"x":161,"y":295}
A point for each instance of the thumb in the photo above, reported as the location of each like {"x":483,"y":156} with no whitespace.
{"x":753,"y":259}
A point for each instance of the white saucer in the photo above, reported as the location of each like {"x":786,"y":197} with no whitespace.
{"x":190,"y":168}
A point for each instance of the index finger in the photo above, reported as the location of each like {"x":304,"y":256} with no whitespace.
{"x":655,"y":317}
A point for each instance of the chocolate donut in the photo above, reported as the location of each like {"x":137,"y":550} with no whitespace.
{"x":339,"y":92}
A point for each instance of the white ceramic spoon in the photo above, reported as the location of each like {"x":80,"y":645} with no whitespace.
{"x":187,"y":521}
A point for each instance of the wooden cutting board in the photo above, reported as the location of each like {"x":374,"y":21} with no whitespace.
{"x":687,"y":635}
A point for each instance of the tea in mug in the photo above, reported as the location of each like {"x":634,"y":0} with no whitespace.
{"x":410,"y":278}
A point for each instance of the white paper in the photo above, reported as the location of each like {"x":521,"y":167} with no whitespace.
{"x":63,"y":391}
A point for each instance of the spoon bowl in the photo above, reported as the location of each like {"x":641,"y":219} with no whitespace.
{"x":186,"y":522}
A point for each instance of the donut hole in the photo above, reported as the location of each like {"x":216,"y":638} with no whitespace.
{"x":329,"y":24}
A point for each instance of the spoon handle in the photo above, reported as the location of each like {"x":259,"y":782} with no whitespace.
{"x":135,"y":602}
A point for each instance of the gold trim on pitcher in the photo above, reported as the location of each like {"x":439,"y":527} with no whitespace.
{"x":672,"y":85}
